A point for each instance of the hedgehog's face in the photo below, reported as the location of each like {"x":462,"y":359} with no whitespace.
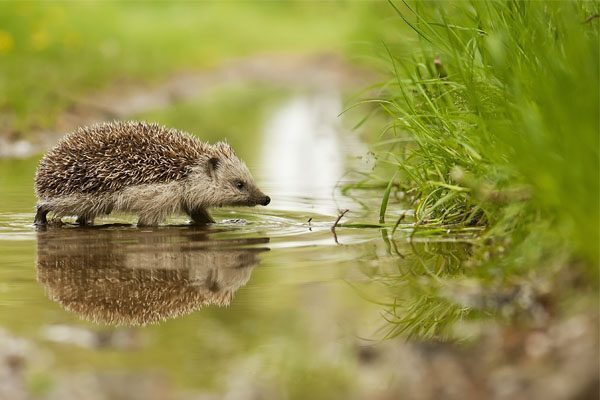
{"x":231,"y":183}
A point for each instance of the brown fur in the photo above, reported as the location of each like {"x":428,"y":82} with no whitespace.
{"x":140,"y":168}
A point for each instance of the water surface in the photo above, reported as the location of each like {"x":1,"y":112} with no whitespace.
{"x":266,"y":303}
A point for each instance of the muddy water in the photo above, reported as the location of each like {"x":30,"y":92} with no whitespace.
{"x":267,"y":303}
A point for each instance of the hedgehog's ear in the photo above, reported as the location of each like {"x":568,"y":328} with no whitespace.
{"x":211,"y":166}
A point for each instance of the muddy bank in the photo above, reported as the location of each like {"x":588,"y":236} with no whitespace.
{"x":125,"y":99}
{"x":552,"y":362}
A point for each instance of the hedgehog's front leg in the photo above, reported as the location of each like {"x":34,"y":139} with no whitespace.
{"x":40,"y":215}
{"x":200,"y":216}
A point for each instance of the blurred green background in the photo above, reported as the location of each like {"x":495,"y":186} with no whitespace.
{"x":53,"y":52}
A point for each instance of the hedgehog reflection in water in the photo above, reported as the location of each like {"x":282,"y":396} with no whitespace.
{"x":140,"y":168}
{"x":130,"y":277}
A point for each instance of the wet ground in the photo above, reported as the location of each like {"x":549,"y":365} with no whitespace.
{"x":267,"y":303}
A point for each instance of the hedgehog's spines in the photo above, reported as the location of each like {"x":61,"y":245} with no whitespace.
{"x":106,"y":157}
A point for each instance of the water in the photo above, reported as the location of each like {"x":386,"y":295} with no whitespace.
{"x":267,"y":303}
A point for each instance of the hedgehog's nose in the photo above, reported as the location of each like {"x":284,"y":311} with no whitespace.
{"x":266,"y":201}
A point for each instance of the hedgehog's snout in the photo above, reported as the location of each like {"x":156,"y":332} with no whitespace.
{"x":266,"y":200}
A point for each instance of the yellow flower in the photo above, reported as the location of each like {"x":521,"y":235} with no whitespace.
{"x":6,"y":42}
{"x":40,"y":40}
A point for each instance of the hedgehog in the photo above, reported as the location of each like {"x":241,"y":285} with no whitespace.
{"x":141,"y":168}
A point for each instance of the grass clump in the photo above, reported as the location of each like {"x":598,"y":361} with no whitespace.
{"x":492,"y":126}
{"x":494,"y":121}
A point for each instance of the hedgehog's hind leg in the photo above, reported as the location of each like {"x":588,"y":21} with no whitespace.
{"x":40,"y":215}
{"x":200,"y":216}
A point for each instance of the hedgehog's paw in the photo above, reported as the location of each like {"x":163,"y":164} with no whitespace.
{"x":40,"y":215}
{"x":200,"y":216}
{"x":84,"y":220}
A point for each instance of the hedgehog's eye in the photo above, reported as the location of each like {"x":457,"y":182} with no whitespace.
{"x":239,"y":184}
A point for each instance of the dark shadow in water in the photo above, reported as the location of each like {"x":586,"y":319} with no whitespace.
{"x":129,"y":276}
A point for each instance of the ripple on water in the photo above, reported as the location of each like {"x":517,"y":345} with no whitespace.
{"x":286,"y":229}
{"x":16,"y":226}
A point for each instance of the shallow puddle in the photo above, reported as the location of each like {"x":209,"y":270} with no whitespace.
{"x":267,"y":302}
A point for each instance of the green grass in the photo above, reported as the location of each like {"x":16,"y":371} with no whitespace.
{"x":493,"y":121}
